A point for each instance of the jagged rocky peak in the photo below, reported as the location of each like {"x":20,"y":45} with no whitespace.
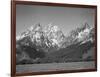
{"x":81,"y":34}
{"x":86,"y":25}
{"x":82,"y":28}
{"x":54,"y":34}
{"x":49,"y":35}
{"x":86,"y":29}
{"x":30,"y":31}
{"x":37,"y":27}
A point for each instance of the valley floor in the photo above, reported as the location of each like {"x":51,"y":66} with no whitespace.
{"x":54,"y":66}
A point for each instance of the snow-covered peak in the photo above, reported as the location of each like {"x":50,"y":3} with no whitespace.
{"x":18,"y":37}
{"x":54,"y":34}
{"x":49,"y":35}
{"x":55,"y":28}
{"x":83,"y":33}
{"x":87,"y":26}
{"x":38,"y":27}
{"x":31,"y":28}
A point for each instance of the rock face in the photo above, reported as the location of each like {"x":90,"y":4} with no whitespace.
{"x":48,"y":37}
{"x":81,"y":35}
{"x":38,"y":41}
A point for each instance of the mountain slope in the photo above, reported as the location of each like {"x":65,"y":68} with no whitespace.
{"x":81,"y":34}
{"x":47,"y":44}
{"x":72,"y":53}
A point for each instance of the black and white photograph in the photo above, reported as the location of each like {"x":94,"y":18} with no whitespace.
{"x":54,"y":38}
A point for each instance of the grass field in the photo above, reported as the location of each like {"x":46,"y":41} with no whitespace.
{"x":54,"y":66}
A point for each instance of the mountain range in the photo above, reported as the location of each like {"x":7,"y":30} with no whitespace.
{"x":40,"y":44}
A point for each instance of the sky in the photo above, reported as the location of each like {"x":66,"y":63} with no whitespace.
{"x":66,"y":18}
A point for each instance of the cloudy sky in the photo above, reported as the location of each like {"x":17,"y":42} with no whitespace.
{"x":65,"y":18}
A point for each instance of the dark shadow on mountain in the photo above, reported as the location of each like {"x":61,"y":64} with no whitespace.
{"x":73,"y":53}
{"x":28,"y":55}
